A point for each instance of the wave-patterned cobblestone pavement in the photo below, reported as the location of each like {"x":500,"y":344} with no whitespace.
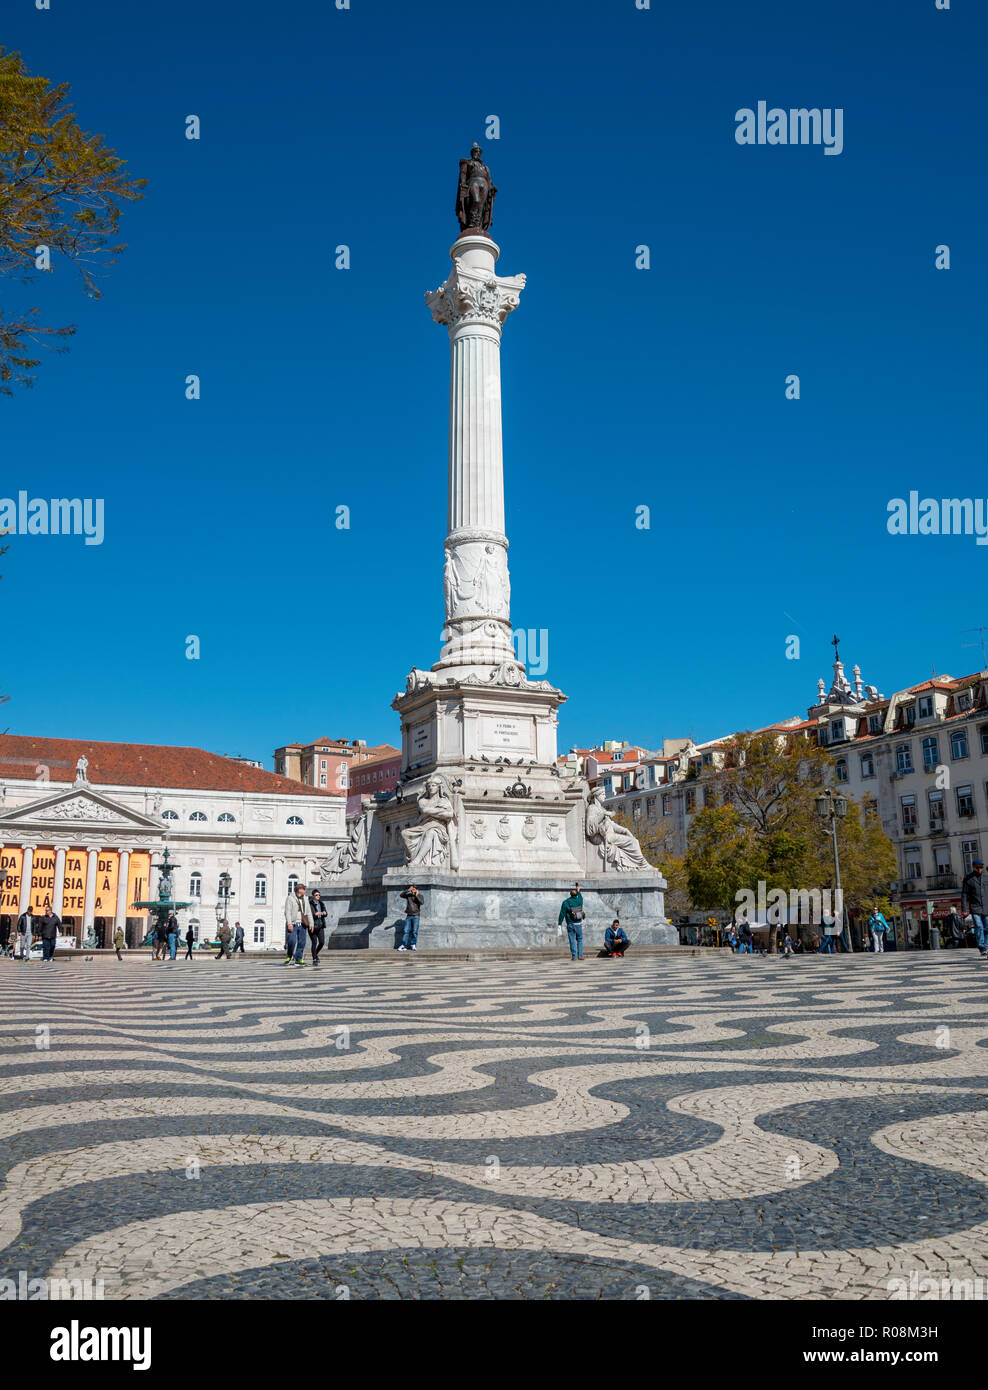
{"x":706,"y":1127}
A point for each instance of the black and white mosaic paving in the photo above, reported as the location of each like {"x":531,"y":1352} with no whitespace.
{"x":705,"y":1127}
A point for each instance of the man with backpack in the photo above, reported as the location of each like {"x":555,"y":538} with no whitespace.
{"x":572,"y":914}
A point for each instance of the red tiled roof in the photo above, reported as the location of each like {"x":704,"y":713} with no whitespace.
{"x":139,"y":765}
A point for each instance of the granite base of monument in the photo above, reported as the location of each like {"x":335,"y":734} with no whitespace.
{"x":487,"y":912}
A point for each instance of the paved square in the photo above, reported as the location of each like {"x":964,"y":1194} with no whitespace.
{"x":673,"y":1128}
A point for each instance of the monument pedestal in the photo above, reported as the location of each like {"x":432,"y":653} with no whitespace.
{"x":476,"y":910}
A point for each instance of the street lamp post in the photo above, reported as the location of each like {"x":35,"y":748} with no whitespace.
{"x":225,"y":881}
{"x":832,"y":808}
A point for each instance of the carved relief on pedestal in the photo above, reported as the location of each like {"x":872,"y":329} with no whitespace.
{"x":351,"y":852}
{"x":432,"y":840}
{"x":478,"y":827}
{"x":504,"y":828}
{"x":528,"y":828}
{"x":618,"y":846}
{"x":476,"y":581}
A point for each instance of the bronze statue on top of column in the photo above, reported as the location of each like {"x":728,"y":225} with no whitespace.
{"x":475,"y":194}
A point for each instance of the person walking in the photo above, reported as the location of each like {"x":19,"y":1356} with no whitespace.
{"x":317,"y":933}
{"x":615,"y":940}
{"x":118,"y":942}
{"x":4,"y":934}
{"x":413,"y":909}
{"x":238,"y":939}
{"x":50,"y":925}
{"x":171,"y":935}
{"x":747,"y":940}
{"x":27,"y":925}
{"x":223,"y":936}
{"x":190,"y":938}
{"x":160,"y":940}
{"x":571,"y":913}
{"x":877,"y":926}
{"x":787,"y":946}
{"x":973,"y":904}
{"x":298,"y":918}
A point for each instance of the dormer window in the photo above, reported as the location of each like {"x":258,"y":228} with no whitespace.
{"x":875,"y":723}
{"x":836,"y":729}
{"x":926,"y":710}
{"x":964,"y":701}
{"x":909,"y":714}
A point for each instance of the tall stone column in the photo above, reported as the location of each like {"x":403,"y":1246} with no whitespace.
{"x":90,"y":899}
{"x":473,"y":304}
{"x":123,"y":874}
{"x":58,"y":893}
{"x":26,"y":870}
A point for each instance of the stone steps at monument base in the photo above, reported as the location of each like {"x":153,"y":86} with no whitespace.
{"x":377,"y":956}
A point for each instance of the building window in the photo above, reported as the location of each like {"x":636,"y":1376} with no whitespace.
{"x":936,"y":810}
{"x":931,"y":753}
{"x":690,"y":800}
{"x":965,"y":801}
{"x":322,"y":764}
{"x":904,"y":757}
{"x":650,"y":807}
{"x":322,"y":779}
{"x":914,"y":864}
{"x":225,"y":818}
{"x":636,"y":810}
{"x":823,"y":736}
{"x":867,"y":765}
{"x":958,"y":744}
{"x":909,"y":715}
{"x":969,"y":853}
{"x":841,"y":769}
{"x":836,"y":729}
{"x":169,"y":815}
{"x":292,"y":883}
{"x":707,"y":759}
{"x":259,"y":932}
{"x":197,"y":815}
{"x":964,"y":701}
{"x":667,"y":804}
{"x":926,"y":707}
{"x":874,"y":723}
{"x":983,"y":731}
{"x":908,"y":812}
{"x":261,"y":888}
{"x":195,"y":885}
{"x":294,"y":820}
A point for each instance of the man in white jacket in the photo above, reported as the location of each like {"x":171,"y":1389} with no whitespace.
{"x":298,"y":918}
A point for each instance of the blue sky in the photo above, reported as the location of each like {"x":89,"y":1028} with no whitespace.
{"x":621,"y":387}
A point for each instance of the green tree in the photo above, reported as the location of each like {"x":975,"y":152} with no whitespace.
{"x":767,"y":829}
{"x":60,"y":194}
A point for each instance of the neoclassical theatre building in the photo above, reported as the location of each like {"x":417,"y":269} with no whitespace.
{"x":84,"y":825}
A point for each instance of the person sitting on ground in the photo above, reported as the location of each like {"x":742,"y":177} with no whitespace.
{"x":615,"y":940}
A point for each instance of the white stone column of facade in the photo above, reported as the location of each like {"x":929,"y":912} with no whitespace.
{"x":87,"y":911}
{"x":58,"y":893}
{"x":279,"y":892}
{"x":120,"y":920}
{"x":246,"y":903}
{"x":26,"y":868}
{"x":473,"y":304}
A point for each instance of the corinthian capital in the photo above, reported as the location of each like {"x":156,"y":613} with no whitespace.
{"x":470,"y":296}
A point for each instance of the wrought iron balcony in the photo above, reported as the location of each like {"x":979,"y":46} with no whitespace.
{"x":948,"y":879}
